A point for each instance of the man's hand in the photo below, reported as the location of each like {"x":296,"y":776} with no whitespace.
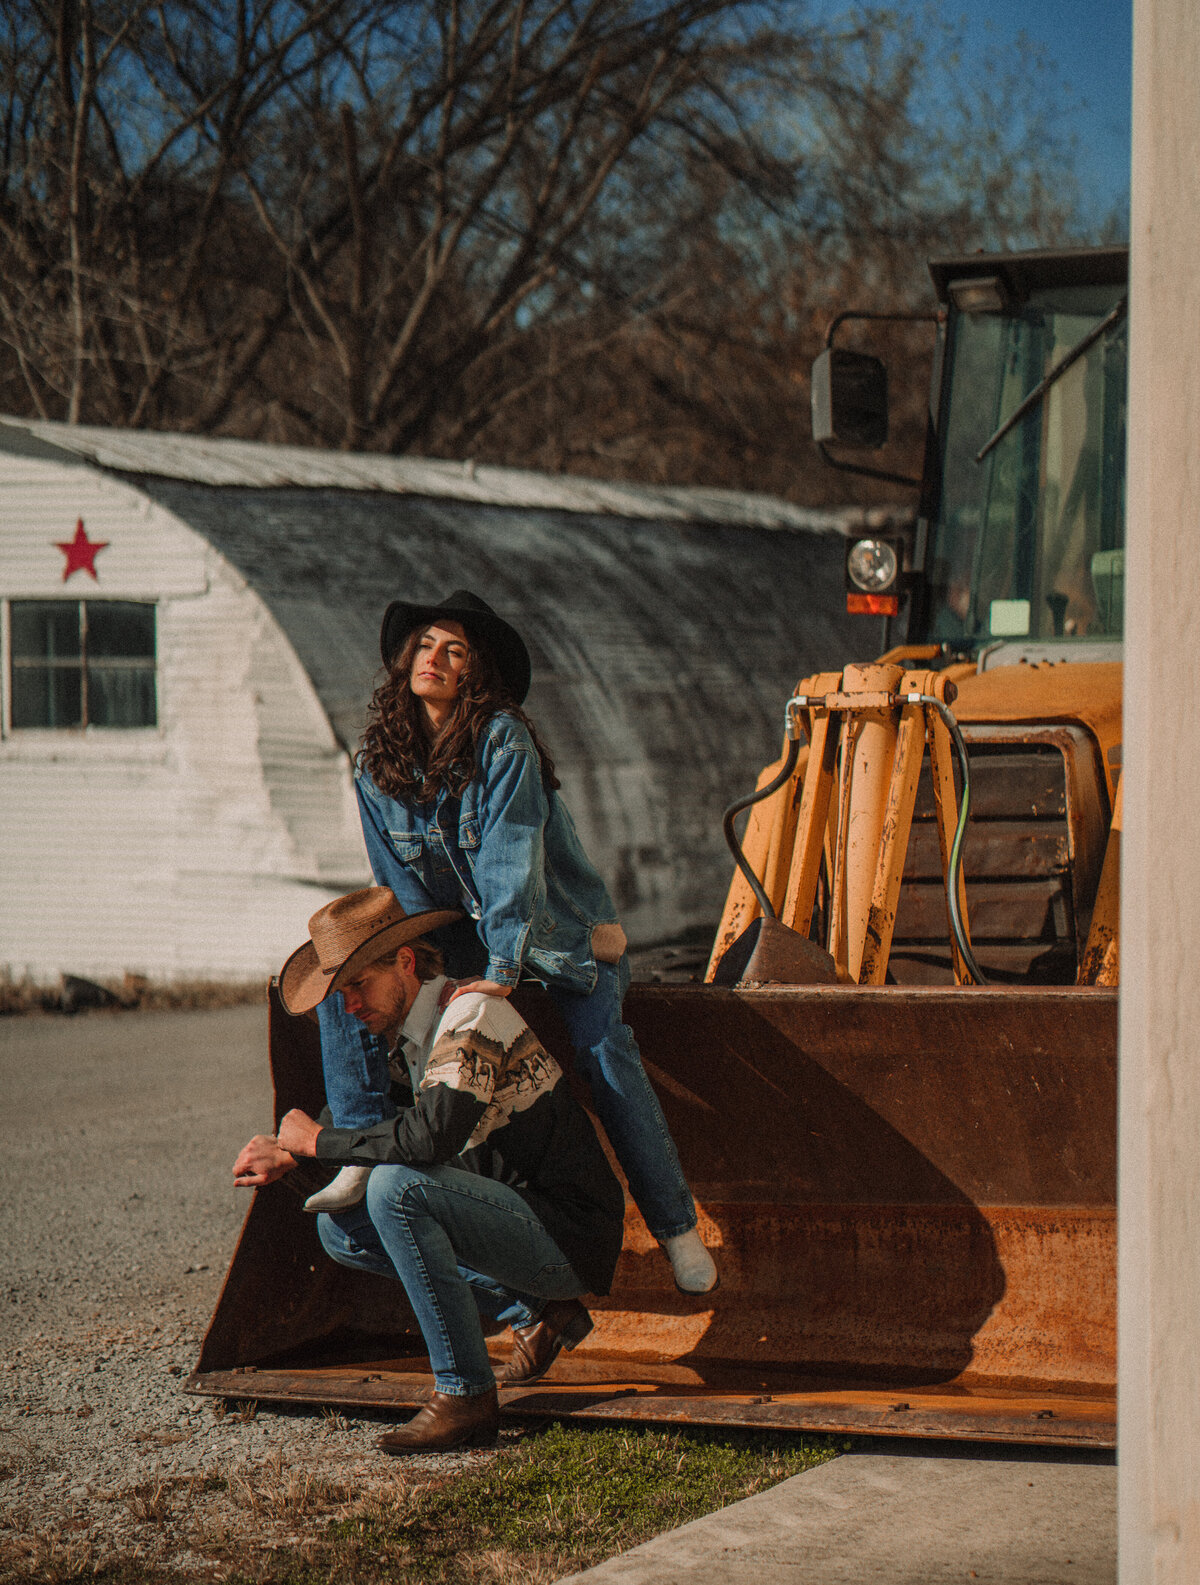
{"x":298,"y":1133}
{"x":261,"y":1162}
{"x":454,"y":988}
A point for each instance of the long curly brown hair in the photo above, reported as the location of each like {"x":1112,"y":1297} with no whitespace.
{"x":405,"y":759}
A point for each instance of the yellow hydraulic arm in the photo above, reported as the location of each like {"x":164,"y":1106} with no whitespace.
{"x":867,"y":729}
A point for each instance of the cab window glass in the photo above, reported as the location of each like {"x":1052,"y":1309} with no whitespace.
{"x":1029,"y":541}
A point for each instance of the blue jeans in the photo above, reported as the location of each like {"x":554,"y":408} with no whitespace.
{"x":461,"y":1245}
{"x":606,"y":1053}
{"x":355,"y":1064}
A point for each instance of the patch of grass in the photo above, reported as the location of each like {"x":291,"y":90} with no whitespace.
{"x":612,"y":1487}
{"x":568,"y":1498}
{"x":276,"y":1491}
{"x":151,"y":1502}
{"x":203,"y":995}
{"x":19,"y":997}
{"x":561,"y":1499}
{"x":58,"y":1564}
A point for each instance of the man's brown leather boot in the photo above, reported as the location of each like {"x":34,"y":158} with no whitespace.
{"x":447,"y":1421}
{"x":562,"y":1324}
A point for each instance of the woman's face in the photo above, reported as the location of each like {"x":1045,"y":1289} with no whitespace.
{"x":442,"y":653}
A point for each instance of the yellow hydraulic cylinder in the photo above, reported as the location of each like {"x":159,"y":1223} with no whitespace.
{"x":897,"y":824}
{"x":741,"y":906}
{"x":866,"y":776}
{"x":813,"y":816}
{"x":767,"y":844}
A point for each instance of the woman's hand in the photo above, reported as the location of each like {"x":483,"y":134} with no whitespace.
{"x":453,"y":988}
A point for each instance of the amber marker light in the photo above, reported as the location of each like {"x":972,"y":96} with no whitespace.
{"x":873,"y":604}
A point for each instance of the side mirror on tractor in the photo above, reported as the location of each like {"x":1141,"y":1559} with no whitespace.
{"x":849,"y":399}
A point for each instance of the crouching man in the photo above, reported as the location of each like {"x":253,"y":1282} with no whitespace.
{"x":489,"y":1191}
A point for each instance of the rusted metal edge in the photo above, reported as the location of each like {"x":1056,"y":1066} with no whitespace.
{"x":968,"y":1420}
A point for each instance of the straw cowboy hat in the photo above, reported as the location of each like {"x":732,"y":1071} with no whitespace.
{"x":482,"y":626}
{"x":347,"y":934}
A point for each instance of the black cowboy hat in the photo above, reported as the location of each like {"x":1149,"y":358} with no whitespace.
{"x":481,"y":623}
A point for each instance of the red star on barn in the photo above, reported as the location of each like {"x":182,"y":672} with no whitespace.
{"x":81,"y":552}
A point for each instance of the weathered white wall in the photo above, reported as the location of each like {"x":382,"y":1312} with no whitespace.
{"x":194,"y":850}
{"x":1160,"y":949}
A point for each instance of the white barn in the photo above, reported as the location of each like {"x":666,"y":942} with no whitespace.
{"x":188,"y":638}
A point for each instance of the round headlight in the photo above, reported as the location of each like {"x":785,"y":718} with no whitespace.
{"x":872,"y":565}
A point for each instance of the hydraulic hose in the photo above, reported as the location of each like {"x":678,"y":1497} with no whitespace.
{"x":735,"y":809}
{"x":955,"y":867}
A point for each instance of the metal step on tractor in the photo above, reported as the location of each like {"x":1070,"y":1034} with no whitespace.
{"x":895,"y":1093}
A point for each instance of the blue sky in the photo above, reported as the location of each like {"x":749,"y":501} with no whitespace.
{"x":1090,"y":40}
{"x":1090,"y":43}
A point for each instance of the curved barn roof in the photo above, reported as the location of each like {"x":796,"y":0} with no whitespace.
{"x":199,"y":459}
{"x":667,"y":627}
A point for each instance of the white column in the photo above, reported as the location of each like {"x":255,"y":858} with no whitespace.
{"x":1159,"y":1371}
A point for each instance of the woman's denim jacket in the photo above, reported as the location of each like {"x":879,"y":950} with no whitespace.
{"x":506,"y":851}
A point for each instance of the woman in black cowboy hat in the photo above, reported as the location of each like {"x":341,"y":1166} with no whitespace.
{"x":460,"y":809}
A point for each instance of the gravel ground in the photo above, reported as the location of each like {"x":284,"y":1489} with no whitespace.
{"x":122,"y":1219}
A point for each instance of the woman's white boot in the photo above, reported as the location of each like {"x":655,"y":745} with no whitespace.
{"x":691,"y":1262}
{"x":347,"y":1189}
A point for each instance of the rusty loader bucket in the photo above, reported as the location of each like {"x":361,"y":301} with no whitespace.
{"x":910,"y":1192}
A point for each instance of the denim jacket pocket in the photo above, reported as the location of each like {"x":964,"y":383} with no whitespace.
{"x":408,"y":846}
{"x":468,"y":834}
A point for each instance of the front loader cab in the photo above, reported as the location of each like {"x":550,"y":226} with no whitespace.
{"x":1024,"y":543}
{"x":1021,"y":531}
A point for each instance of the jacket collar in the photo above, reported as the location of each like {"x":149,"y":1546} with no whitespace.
{"x":423,"y":1015}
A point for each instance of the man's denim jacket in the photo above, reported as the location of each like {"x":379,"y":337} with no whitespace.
{"x":506,"y":851}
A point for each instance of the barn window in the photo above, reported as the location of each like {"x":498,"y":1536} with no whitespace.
{"x":79,"y":663}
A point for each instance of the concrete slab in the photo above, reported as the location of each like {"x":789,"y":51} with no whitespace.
{"x":909,"y":1516}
